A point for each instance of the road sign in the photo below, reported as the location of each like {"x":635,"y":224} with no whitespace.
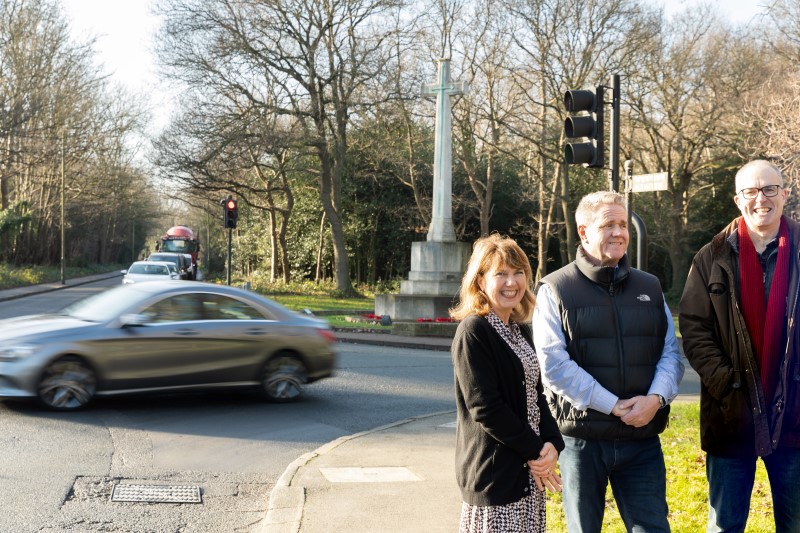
{"x":650,"y":182}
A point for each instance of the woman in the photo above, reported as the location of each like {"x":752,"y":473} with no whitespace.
{"x":507,"y":442}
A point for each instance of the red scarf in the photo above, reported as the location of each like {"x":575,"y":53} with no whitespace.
{"x":765,"y":320}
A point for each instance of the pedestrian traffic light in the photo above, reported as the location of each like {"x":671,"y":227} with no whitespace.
{"x":590,"y":153}
{"x":230,"y":213}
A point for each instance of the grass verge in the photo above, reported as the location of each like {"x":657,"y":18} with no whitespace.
{"x":19,"y":276}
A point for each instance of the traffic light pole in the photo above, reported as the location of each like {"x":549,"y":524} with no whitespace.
{"x":230,"y":216}
{"x":230,"y":232}
{"x":614,"y":150}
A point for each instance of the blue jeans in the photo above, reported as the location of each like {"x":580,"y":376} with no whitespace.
{"x":730,"y":484}
{"x":637,"y":474}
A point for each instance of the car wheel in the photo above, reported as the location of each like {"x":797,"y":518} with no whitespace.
{"x":67,"y":384}
{"x":283,"y":379}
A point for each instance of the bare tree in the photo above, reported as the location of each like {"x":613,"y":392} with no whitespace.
{"x":320,"y":56}
{"x":55,"y":114}
{"x":769,"y":113}
{"x":483,"y":112}
{"x":679,"y":101}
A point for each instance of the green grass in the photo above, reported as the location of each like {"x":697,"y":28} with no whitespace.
{"x":340,"y":322}
{"x":19,"y":276}
{"x":687,"y":490}
{"x":322,"y":299}
{"x":317,"y":303}
{"x":322,"y":302}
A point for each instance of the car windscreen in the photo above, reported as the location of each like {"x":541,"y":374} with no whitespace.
{"x":177,"y":245}
{"x":149,"y":269}
{"x":104,"y":306}
{"x":166,"y":258}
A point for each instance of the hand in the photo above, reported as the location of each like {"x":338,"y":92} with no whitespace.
{"x":641,"y":409}
{"x":545,"y":464}
{"x":543,"y":469}
{"x":551,"y":482}
{"x":619,"y":409}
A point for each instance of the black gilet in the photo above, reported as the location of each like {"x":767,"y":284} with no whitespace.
{"x":614,"y":324}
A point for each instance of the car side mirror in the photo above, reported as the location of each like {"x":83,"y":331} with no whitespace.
{"x":132,"y":320}
{"x":124,"y":271}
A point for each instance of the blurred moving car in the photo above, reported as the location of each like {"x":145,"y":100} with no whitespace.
{"x":182,"y":263}
{"x":150,"y":271}
{"x":163,"y":336}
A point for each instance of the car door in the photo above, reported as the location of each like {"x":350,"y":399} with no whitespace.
{"x":246,"y":334}
{"x":191,"y":339}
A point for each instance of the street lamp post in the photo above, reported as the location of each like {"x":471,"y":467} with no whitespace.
{"x":63,"y":266}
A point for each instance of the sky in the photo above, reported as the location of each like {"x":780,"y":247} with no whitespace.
{"x":737,"y":11}
{"x":124,"y":30}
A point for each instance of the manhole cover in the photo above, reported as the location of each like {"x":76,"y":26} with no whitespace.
{"x":156,"y":493}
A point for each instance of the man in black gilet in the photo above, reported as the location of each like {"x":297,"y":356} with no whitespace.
{"x":606,"y":344}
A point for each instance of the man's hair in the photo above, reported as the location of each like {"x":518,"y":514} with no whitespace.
{"x":589,"y":206}
{"x":488,"y":253}
{"x":757,"y":164}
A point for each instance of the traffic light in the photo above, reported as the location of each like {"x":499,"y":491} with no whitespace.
{"x":590,"y":153}
{"x":230,"y":213}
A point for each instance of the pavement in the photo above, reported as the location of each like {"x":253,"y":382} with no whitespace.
{"x":398,"y":478}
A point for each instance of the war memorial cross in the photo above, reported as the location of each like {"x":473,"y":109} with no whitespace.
{"x":441,"y":228}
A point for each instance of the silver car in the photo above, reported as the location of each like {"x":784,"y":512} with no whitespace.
{"x":150,"y":271}
{"x":162,"y":336}
{"x":181,"y":263}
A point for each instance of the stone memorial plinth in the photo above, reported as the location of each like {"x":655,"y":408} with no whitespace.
{"x":433,"y":282}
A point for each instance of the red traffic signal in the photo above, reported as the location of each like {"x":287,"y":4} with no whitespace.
{"x":230,"y":213}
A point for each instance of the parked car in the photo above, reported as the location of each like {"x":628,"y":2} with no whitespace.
{"x":150,"y":271}
{"x":163,"y":336}
{"x":183,"y":264}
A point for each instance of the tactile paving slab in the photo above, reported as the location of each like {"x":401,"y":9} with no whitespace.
{"x":156,"y":493}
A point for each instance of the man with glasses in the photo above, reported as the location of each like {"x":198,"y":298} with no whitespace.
{"x":738,"y":323}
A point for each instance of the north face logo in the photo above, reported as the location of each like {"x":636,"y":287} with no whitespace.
{"x":643,"y":298}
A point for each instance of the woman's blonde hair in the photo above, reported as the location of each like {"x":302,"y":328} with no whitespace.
{"x":488,"y":253}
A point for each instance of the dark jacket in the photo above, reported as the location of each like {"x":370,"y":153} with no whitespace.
{"x":493,"y":438}
{"x":614,"y":325}
{"x":735,"y":418}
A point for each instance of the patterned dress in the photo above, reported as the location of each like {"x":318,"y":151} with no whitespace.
{"x":528,"y":514}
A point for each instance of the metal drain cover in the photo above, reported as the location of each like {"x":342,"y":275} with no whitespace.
{"x":156,"y":493}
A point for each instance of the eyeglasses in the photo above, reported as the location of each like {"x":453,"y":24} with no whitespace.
{"x":751,"y":193}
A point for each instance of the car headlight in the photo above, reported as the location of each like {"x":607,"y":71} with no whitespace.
{"x":12,"y":352}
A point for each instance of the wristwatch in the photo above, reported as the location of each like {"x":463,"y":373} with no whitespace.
{"x":662,"y":401}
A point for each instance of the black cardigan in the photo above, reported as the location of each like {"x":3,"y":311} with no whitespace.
{"x":493,"y":438}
